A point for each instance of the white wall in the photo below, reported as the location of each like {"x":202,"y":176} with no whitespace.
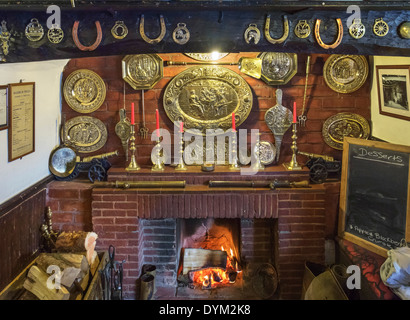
{"x":393,"y":130}
{"x":19,"y":174}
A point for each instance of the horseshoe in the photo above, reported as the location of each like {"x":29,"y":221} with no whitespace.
{"x":285,"y":31}
{"x":161,"y":35}
{"x":339,"y":35}
{"x":77,"y":41}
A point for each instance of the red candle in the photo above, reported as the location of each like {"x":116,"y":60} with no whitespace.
{"x":157,"y":115}
{"x":181,"y":127}
{"x":233,"y":121}
{"x":132,"y":114}
{"x":294,"y":112}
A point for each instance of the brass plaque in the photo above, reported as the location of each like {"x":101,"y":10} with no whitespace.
{"x":142,"y":71}
{"x":345,"y":73}
{"x":344,"y":124}
{"x":278,"y":67}
{"x":84,"y":91}
{"x":87,"y":134}
{"x":204,"y":97}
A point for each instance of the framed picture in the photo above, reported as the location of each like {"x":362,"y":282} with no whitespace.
{"x":21,"y":119}
{"x":393,"y":86}
{"x":4,"y":112}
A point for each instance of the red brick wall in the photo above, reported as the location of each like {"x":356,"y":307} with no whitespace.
{"x":322,"y":102}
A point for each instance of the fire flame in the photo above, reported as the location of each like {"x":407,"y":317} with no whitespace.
{"x":216,"y":277}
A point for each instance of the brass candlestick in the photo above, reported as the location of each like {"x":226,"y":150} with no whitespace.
{"x":181,"y":165}
{"x":234,"y":164}
{"x":293,"y":164}
{"x":158,"y":164}
{"x":256,"y":151}
{"x":133,"y":165}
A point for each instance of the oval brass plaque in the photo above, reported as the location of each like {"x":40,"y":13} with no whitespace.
{"x":344,"y":124}
{"x":84,"y":91}
{"x":88,"y":134}
{"x":205,"y":98}
{"x":345,"y":73}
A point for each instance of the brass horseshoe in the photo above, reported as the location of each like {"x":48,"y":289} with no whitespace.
{"x":77,"y":41}
{"x":161,"y":35}
{"x":285,"y":31}
{"x":339,"y":35}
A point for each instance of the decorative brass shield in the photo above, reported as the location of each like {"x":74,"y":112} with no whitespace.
{"x":84,"y":91}
{"x":87,"y":134}
{"x":278,"y":67}
{"x":345,"y":73}
{"x":142,"y":71}
{"x":204,"y":97}
{"x":344,"y":124}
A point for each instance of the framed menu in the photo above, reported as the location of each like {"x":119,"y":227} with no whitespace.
{"x":21,"y":119}
{"x":3,"y":107}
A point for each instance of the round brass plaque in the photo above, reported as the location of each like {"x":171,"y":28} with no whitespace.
{"x":205,"y":97}
{"x":142,"y":71}
{"x":87,"y":134}
{"x":84,"y":91}
{"x":345,"y":73}
{"x":344,"y":124}
{"x":278,"y":67}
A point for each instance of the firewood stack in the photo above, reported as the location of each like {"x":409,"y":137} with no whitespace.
{"x":65,"y":273}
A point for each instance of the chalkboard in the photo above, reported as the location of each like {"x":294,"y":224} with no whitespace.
{"x":374,"y":195}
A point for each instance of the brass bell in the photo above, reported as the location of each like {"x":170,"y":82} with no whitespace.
{"x":404,"y":30}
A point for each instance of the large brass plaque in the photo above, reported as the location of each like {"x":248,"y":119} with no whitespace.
{"x":205,"y":98}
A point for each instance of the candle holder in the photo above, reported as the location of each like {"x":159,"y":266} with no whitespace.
{"x":181,"y":165}
{"x":293,"y":164}
{"x":234,"y":153}
{"x":158,"y":164}
{"x":257,"y":165}
{"x":133,"y":165}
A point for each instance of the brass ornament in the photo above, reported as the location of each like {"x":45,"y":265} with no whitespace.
{"x":55,"y":34}
{"x":251,"y":66}
{"x":4,"y":38}
{"x":404,"y":30}
{"x":380,"y":27}
{"x":302,"y":29}
{"x":278,"y":67}
{"x":157,"y":39}
{"x":181,"y":34}
{"x":345,"y":73}
{"x":77,"y":40}
{"x":357,"y":29}
{"x":142,"y":71}
{"x":119,"y":30}
{"x":87,"y":134}
{"x":285,"y":31}
{"x":338,"y":39}
{"x":123,"y":131}
{"x":204,"y":97}
{"x":62,"y":161}
{"x":267,"y":152}
{"x":212,"y":56}
{"x":84,"y":91}
{"x":344,"y":124}
{"x":34,"y":30}
{"x":252,"y":34}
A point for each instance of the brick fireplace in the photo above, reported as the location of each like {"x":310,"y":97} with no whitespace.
{"x":284,"y":227}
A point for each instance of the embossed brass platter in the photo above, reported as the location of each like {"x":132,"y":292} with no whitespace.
{"x":345,"y":73}
{"x":204,"y":97}
{"x":142,"y":71}
{"x":84,"y":91}
{"x":278,"y":67}
{"x":344,"y":124}
{"x":87,"y":134}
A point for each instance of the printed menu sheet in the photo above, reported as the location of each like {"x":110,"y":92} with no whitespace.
{"x":21,"y":127}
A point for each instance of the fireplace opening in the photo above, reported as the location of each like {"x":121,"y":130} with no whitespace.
{"x":209,"y":254}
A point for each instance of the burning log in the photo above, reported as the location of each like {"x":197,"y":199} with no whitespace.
{"x":197,"y":259}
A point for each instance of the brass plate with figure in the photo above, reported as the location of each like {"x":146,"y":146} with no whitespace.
{"x":278,"y":67}
{"x":87,"y":134}
{"x":345,"y":73}
{"x":84,"y":91}
{"x":344,"y":124}
{"x":142,"y":71}
{"x":204,"y":97}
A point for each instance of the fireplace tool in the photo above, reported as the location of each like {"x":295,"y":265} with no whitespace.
{"x":112,"y":277}
{"x":302,"y":117}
